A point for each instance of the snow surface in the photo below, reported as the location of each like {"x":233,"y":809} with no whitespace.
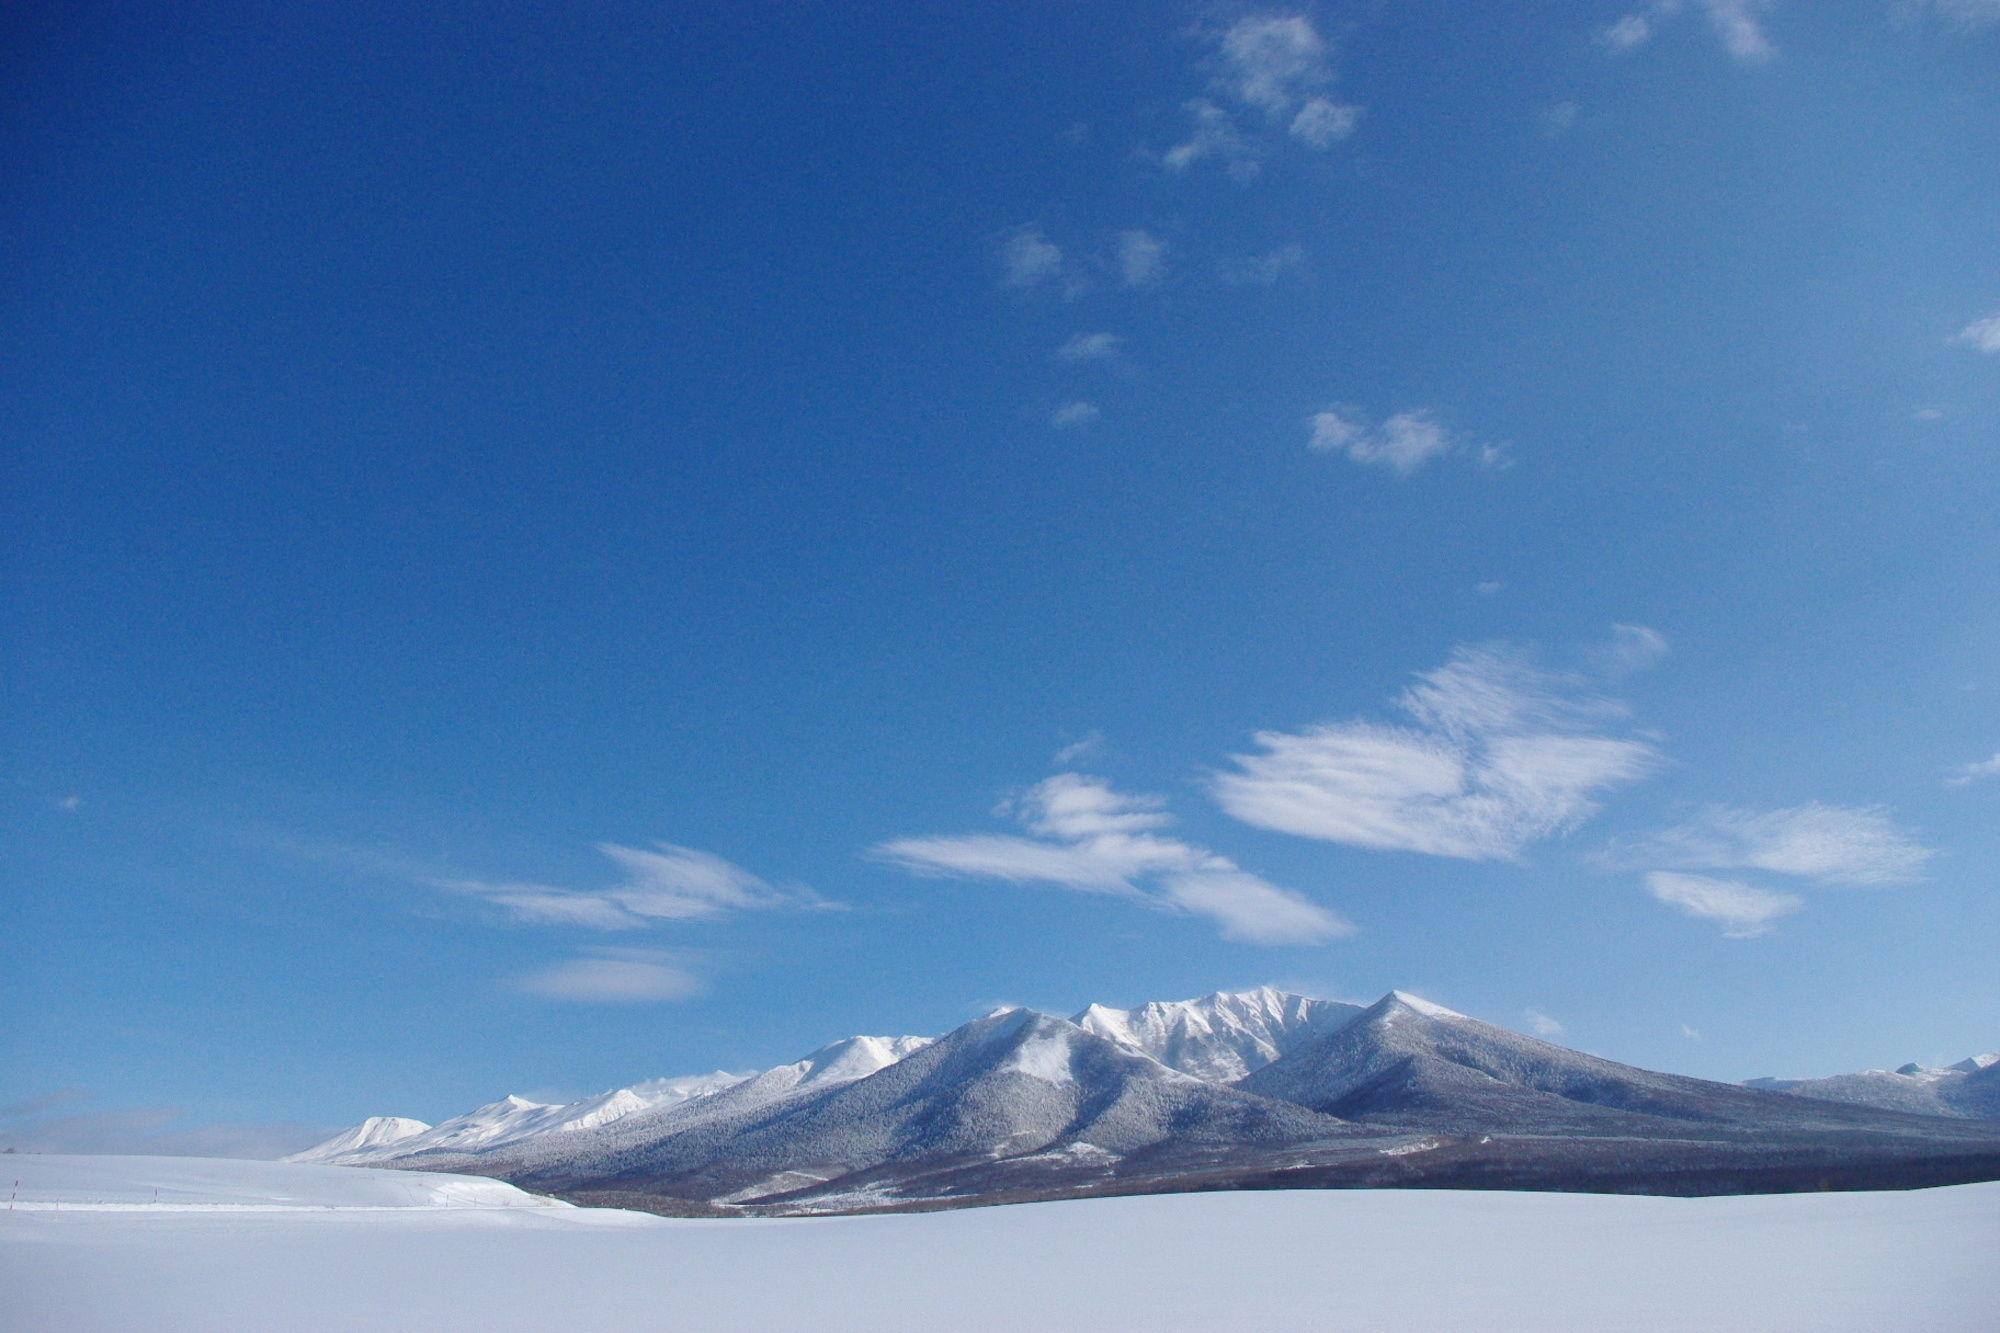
{"x":340,"y":1253}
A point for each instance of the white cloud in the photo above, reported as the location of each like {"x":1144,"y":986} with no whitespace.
{"x":1627,"y":33}
{"x":1142,"y":257}
{"x":1734,"y":23}
{"x":1403,"y":443}
{"x":1090,"y":347}
{"x":1322,"y":124}
{"x":1214,"y":136}
{"x":1982,"y":335}
{"x":1541,"y":1024}
{"x":1501,"y":754}
{"x":1263,"y":270}
{"x":1251,"y":909}
{"x":1487,"y":587}
{"x":1690,"y":1033}
{"x":660,"y":883}
{"x":613,"y":976}
{"x":1083,"y":747}
{"x":1631,"y":648}
{"x":1028,"y":258}
{"x":1089,"y":838}
{"x":1965,"y":773}
{"x":1829,"y":844}
{"x":1557,"y":120}
{"x":1742,"y":910}
{"x":1274,"y":67}
{"x":1927,"y":414}
{"x":1961,"y":13}
{"x":1271,"y":62}
{"x":69,"y":805}
{"x":1075,"y":413}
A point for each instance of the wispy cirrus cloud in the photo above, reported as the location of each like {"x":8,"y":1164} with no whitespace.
{"x":614,"y":976}
{"x":1493,"y":753}
{"x":1085,"y":836}
{"x":658,"y":884}
{"x":1973,"y":772}
{"x":1826,"y":844}
{"x":1263,"y":270}
{"x":1812,"y":844}
{"x":1090,"y":347}
{"x":1744,"y":911}
{"x":1273,"y":70}
{"x":1964,"y":14}
{"x":1076,"y":412}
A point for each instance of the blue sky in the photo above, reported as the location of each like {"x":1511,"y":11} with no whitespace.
{"x":546,"y":550}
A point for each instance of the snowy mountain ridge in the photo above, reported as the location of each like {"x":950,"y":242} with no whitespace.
{"x":1250,"y":1089}
{"x":1969,"y":1088}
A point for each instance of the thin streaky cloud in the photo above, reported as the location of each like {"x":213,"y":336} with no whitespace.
{"x":660,"y":883}
{"x":1076,"y":413}
{"x":1827,"y":844}
{"x":1321,"y":123}
{"x":1264,"y":270}
{"x":1541,"y":1024}
{"x":1090,"y":347}
{"x":1744,"y":911}
{"x":1087,"y":837}
{"x":1495,"y":754}
{"x":613,"y":976}
{"x":1973,"y":772}
{"x":1968,"y":15}
{"x":1086,"y":746}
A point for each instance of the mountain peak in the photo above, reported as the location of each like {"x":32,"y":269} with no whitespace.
{"x":1418,"y":1003}
{"x":1221,"y":1036}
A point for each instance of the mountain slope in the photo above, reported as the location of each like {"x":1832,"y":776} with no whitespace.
{"x":361,"y":1142}
{"x":1219,"y":1037}
{"x":1969,"y":1089}
{"x":1016,"y":1085}
{"x":1412,"y":1064}
{"x":508,"y":1122}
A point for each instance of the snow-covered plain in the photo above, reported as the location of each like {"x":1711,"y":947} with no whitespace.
{"x":269,"y":1245}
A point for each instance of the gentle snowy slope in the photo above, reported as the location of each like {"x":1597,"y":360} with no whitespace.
{"x":1219,"y":1037}
{"x":181,"y":1184}
{"x":1278,"y":1262}
{"x":1413,"y":1064}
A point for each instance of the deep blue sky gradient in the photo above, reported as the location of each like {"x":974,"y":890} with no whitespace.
{"x":437,"y":444}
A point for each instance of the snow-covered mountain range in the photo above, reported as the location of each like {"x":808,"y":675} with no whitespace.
{"x":1969,"y":1088}
{"x":1258,"y":1088}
